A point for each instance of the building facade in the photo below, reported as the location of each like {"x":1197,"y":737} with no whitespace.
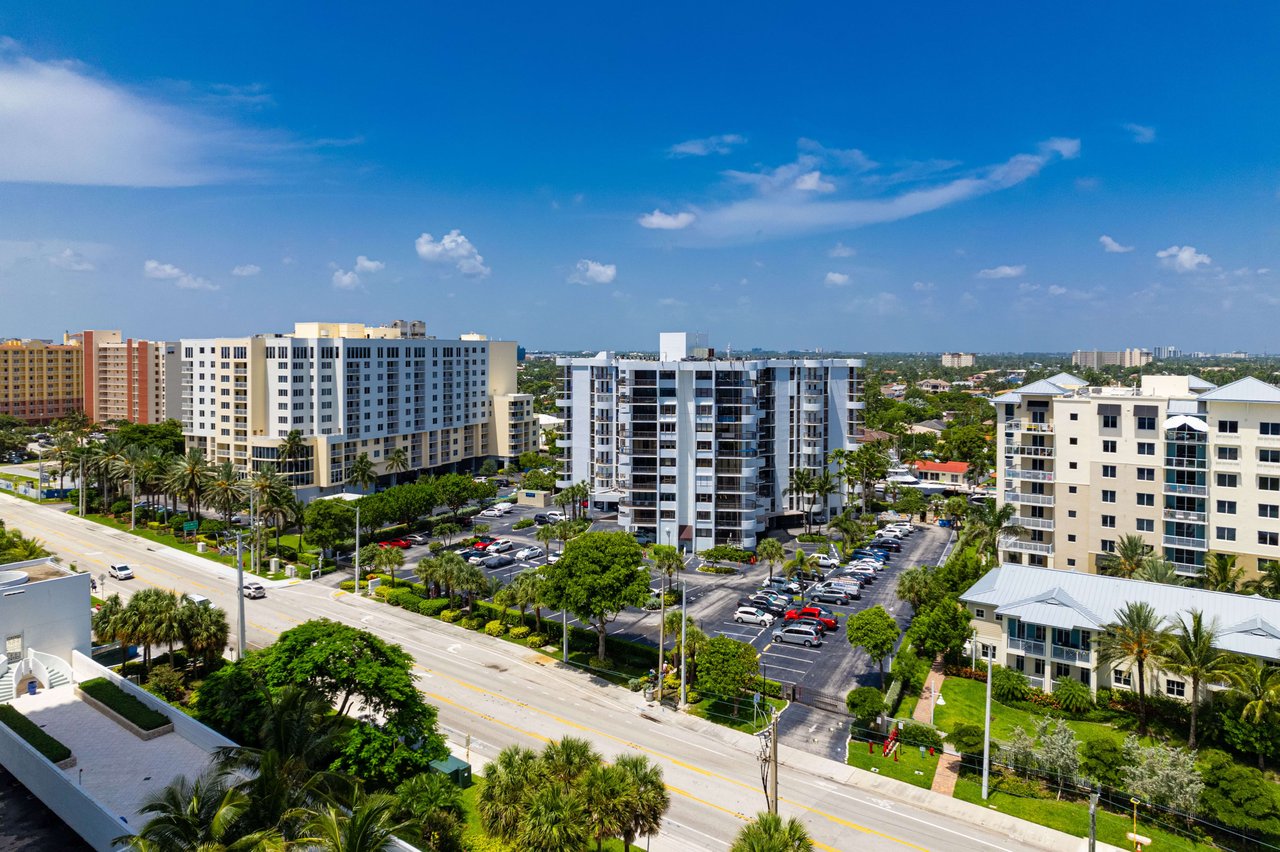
{"x":41,"y":381}
{"x":127,"y":379}
{"x":1191,"y":468}
{"x":698,"y":450}
{"x":1096,"y":360}
{"x":349,"y":389}
{"x":958,"y":359}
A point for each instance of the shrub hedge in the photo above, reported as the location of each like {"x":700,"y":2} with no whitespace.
{"x":33,"y":734}
{"x":495,"y":628}
{"x":123,"y":703}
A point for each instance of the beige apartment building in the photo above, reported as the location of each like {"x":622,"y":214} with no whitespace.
{"x":41,"y":381}
{"x":127,"y":379}
{"x":1190,"y":467}
{"x":350,"y":389}
{"x":958,"y":359}
{"x":1095,"y":359}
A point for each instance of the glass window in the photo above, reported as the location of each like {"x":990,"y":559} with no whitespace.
{"x":1228,"y":453}
{"x":1109,"y":470}
{"x":1225,"y":533}
{"x":1146,"y":424}
{"x":1269,"y":483}
{"x":1146,"y":499}
{"x":1263,"y":428}
{"x":1108,"y":496}
{"x":1121,"y":678}
{"x":1269,"y":538}
{"x":1108,"y":546}
{"x":1146,"y":474}
{"x":1229,"y":427}
{"x":1146,"y":448}
{"x":1109,"y":521}
{"x":1268,"y":510}
{"x":1269,"y":456}
{"x":1110,"y":421}
{"x":1175,"y":688}
{"x":1226,"y":480}
{"x":1108,"y":446}
{"x":1227,"y":507}
{"x":1145,"y":525}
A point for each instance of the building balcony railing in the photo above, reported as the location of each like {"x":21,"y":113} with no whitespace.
{"x":1181,"y":488}
{"x":1186,"y":437}
{"x":1070,"y":655}
{"x":1028,"y":450}
{"x":1032,"y":523}
{"x":1190,"y":464}
{"x":1036,"y":682}
{"x":1034,"y":475}
{"x":1185,"y":569}
{"x":1185,"y":542}
{"x":1184,"y":515}
{"x":1018,"y":545}
{"x":1028,"y":499}
{"x":1016,"y":425}
{"x":1027,"y":646}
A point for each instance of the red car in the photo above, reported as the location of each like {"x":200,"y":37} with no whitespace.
{"x":396,"y":542}
{"x":483,"y":542}
{"x":812,"y":612}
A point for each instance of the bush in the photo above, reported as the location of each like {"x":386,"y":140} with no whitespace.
{"x":347,"y":585}
{"x":449,"y":616}
{"x":213,"y":527}
{"x":636,"y":684}
{"x":536,"y":640}
{"x":724,"y":553}
{"x":519,"y":633}
{"x":813,"y":538}
{"x":433,"y":606}
{"x":167,"y":683}
{"x":864,"y":703}
{"x":121,"y":507}
{"x":522,"y":524}
{"x":33,"y":734}
{"x":474,"y":622}
{"x":920,"y":735}
{"x":599,"y":662}
{"x":1072,"y":695}
{"x":106,"y":692}
{"x":692,"y":696}
{"x":382,"y":592}
{"x":893,"y":697}
{"x":1009,"y":685}
{"x":967,"y":737}
{"x":406,"y":598}
{"x":771,"y":688}
{"x":716,"y":569}
{"x":495,"y":628}
{"x":1101,"y":759}
{"x":910,"y":669}
{"x":1239,"y":797}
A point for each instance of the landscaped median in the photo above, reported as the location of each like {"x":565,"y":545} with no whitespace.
{"x":51,"y":748}
{"x":128,"y":711}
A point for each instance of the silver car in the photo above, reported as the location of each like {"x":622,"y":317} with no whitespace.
{"x":529,"y":553}
{"x":798,"y":634}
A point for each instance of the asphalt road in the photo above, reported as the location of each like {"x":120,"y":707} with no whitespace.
{"x":498,"y":694}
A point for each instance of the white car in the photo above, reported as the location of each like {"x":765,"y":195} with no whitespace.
{"x":491,"y":512}
{"x":120,"y":572}
{"x":553,"y":558}
{"x":751,"y":615}
{"x":500,"y":546}
{"x":253,"y":589}
{"x":887,"y":532}
{"x":528,"y":553}
{"x":825,"y":560}
{"x":555,"y":517}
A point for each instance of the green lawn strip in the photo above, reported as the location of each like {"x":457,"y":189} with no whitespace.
{"x":963,"y":700}
{"x":180,"y":544}
{"x":123,"y":703}
{"x":909,"y":767}
{"x":16,"y":478}
{"x":748,"y":720}
{"x":1071,"y":817}
{"x":907,"y":706}
{"x":51,"y":748}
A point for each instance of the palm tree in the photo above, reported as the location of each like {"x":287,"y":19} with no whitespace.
{"x":188,"y":478}
{"x":1134,"y":638}
{"x":1221,"y":573}
{"x":360,"y":472}
{"x":370,"y":826}
{"x":503,"y":789}
{"x":432,"y":804}
{"x":226,"y":491}
{"x":606,"y":796}
{"x":823,"y":486}
{"x":649,"y":798}
{"x":862,"y":467}
{"x":397,"y":461}
{"x":129,"y":466}
{"x":768,"y":833}
{"x":770,"y":552}
{"x":107,"y":458}
{"x":800,"y":485}
{"x":1267,"y":583}
{"x":554,"y":820}
{"x":1157,"y":569}
{"x":388,"y":560}
{"x":65,"y":447}
{"x":19,"y":548}
{"x":1190,"y":650}
{"x":915,"y":585}
{"x":545,"y":535}
{"x":203,"y":814}
{"x":1258,"y":683}
{"x":668,"y":561}
{"x":205,"y":632}
{"x":1131,"y":553}
{"x":164,"y":613}
{"x":108,"y":625}
{"x":987,"y":524}
{"x":289,"y":449}
{"x":567,"y":759}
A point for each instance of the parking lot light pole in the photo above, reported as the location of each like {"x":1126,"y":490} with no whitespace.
{"x":357,"y":553}
{"x":684,"y":618}
{"x":986,"y":727}
{"x":240,"y":590}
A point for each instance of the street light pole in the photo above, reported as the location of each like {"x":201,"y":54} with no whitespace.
{"x":357,"y":553}
{"x":684,"y":588}
{"x":564,"y":632}
{"x":986,"y":729}
{"x":240,"y":591}
{"x":133,"y":503}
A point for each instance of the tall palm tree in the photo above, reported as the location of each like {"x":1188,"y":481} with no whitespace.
{"x":770,"y":552}
{"x":202,"y":814}
{"x":108,"y":626}
{"x":288,"y":451}
{"x":545,"y":535}
{"x":606,"y":793}
{"x":150,"y":471}
{"x":1157,"y":569}
{"x":1190,"y":650}
{"x":987,"y":524}
{"x":668,"y":561}
{"x":1135,"y":638}
{"x":503,"y":788}
{"x":1131,"y":553}
{"x":107,"y":458}
{"x":20,"y":548}
{"x":205,"y":632}
{"x":432,"y":805}
{"x":555,"y":820}
{"x":823,"y":486}
{"x":388,"y":560}
{"x":862,"y":468}
{"x":915,"y":585}
{"x":164,"y":612}
{"x":1221,"y":574}
{"x":136,"y":627}
{"x":768,"y":833}
{"x":226,"y":491}
{"x":1267,"y":583}
{"x":128,"y":467}
{"x":649,"y":798}
{"x":360,"y":472}
{"x":567,"y":759}
{"x":397,"y":461}
{"x":800,"y":485}
{"x":370,"y":826}
{"x":1258,"y":683}
{"x":188,"y":478}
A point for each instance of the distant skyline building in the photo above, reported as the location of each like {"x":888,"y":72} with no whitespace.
{"x":958,"y":359}
{"x":127,"y":379}
{"x":1097,"y":359}
{"x":41,"y":381}
{"x":1166,"y":353}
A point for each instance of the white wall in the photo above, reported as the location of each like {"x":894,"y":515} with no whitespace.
{"x":52,"y":615}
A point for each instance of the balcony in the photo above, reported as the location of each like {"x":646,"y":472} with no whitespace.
{"x":1185,"y":542}
{"x":1188,"y":436}
{"x":1017,"y":545}
{"x":1027,"y":646}
{"x":1183,"y":515}
{"x":1033,"y":475}
{"x":1070,"y":655}
{"x":1028,"y":499}
{"x":1191,"y":490}
{"x":1036,"y":682}
{"x":1026,"y":426}
{"x":1188,"y":464}
{"x":1028,"y":450}
{"x":1185,"y":569}
{"x":1032,"y":523}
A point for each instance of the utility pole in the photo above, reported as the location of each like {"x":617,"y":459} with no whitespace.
{"x":240,"y":595}
{"x":986,"y":730}
{"x":773,"y":764}
{"x":1093,"y":821}
{"x":684,"y":619}
{"x":357,"y":553}
{"x":662,"y":640}
{"x":564,"y":633}
{"x":133,"y":502}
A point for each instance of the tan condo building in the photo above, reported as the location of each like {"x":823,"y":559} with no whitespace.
{"x":41,"y":381}
{"x":349,"y":389}
{"x":127,"y":379}
{"x":958,"y":359}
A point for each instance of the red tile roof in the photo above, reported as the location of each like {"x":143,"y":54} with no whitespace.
{"x":942,"y":467}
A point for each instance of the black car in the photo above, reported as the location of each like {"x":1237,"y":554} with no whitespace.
{"x":541,"y":519}
{"x":887,"y":544}
{"x":467,"y":554}
{"x":763,"y":604}
{"x":498,"y":560}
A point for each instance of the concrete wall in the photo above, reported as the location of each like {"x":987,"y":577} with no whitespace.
{"x":183,"y":725}
{"x":52,"y":615}
{"x":59,"y":793}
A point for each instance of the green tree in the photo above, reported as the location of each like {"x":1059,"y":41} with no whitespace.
{"x":769,"y":833}
{"x":874,"y":631}
{"x":801,"y":486}
{"x":599,"y":575}
{"x":1163,"y":776}
{"x":431,"y":804}
{"x":455,"y":490}
{"x":1132,"y":553}
{"x":369,"y":826}
{"x":916,"y":586}
{"x":1267,"y":583}
{"x":862,"y":468}
{"x":986,"y":524}
{"x":943,"y":629}
{"x":770,"y":552}
{"x":200,"y":814}
{"x":397,"y":461}
{"x":607,"y":799}
{"x":1190,"y":649}
{"x":188,"y":477}
{"x":865,"y":704}
{"x":1157,"y":569}
{"x":1221,"y":574}
{"x":388,"y":560}
{"x":108,"y":625}
{"x":554,"y":820}
{"x":329,"y":523}
{"x":648,"y":797}
{"x":1257,"y":684}
{"x":1135,"y":638}
{"x":726,"y":668}
{"x":361,"y":473}
{"x":668,"y":561}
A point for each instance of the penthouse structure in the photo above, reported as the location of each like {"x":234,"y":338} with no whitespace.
{"x":697,"y":450}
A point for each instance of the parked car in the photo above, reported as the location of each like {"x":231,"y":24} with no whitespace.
{"x":763,"y":604}
{"x":825,"y":560}
{"x":253,"y":589}
{"x":396,"y":542}
{"x":470,"y":552}
{"x":834,"y":595}
{"x":824,"y":617}
{"x":892,"y":545}
{"x":782,"y":584}
{"x":752,"y":615}
{"x":889,"y":532}
{"x":868,"y":553}
{"x":491,"y":512}
{"x":798,"y":634}
{"x":502,"y":545}
{"x":771,"y":594}
{"x":498,"y":560}
{"x":553,"y":558}
{"x":541,"y":518}
{"x":555,"y":517}
{"x":529,"y":553}
{"x":120,"y":572}
{"x":418,"y":538}
{"x":811,"y":622}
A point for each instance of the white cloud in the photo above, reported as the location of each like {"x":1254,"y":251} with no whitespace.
{"x":1002,"y":271}
{"x":1142,"y":134}
{"x":71,"y":260}
{"x":666,"y":221}
{"x":181,"y":279}
{"x":364,"y":264}
{"x":1113,"y":247}
{"x":841,"y":250}
{"x":1026,"y":287}
{"x":591,"y":272}
{"x":1183,"y":258}
{"x":671,"y":303}
{"x":836,"y":279}
{"x":923,"y":286}
{"x":1056,"y":290}
{"x":453,"y":248}
{"x":344,"y":280}
{"x":813,"y":182}
{"x":246,"y":270}
{"x":722,"y":144}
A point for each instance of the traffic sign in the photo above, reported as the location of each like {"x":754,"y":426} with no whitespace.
{"x":191,"y":526}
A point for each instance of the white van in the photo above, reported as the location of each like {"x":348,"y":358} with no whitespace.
{"x":197,"y":600}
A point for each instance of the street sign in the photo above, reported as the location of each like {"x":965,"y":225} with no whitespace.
{"x":191,"y":526}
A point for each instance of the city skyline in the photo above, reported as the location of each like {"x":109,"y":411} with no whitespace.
{"x":583,"y":181}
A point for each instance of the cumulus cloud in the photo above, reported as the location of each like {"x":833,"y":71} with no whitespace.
{"x":453,"y":249}
{"x":1002,"y":271}
{"x":813,"y":182}
{"x":364,"y":264}
{"x":1057,"y":290}
{"x":669,"y":302}
{"x":1112,"y":247}
{"x":922,"y":286}
{"x":591,"y":272}
{"x":246,"y":270}
{"x":660,"y":221}
{"x":1183,"y":258}
{"x":836,"y":279}
{"x":346,"y":280}
{"x":841,"y":250}
{"x":70,"y":260}
{"x":181,"y":279}
{"x":721,"y":144}
{"x":1142,"y":134}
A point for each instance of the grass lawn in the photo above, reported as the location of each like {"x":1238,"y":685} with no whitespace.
{"x":1071,"y":817}
{"x":173,"y":541}
{"x":721,"y":712}
{"x":910,"y":766}
{"x":474,"y":833}
{"x":907,"y":706}
{"x":17,"y":478}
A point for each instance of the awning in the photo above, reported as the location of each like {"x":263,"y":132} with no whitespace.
{"x":1183,"y":421}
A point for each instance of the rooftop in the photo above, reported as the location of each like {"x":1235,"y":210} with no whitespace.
{"x":36,"y":570}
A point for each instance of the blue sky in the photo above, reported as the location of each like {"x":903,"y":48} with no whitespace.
{"x":578,"y":176}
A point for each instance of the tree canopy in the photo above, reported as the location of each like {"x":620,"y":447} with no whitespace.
{"x":599,"y":575}
{"x":874,"y":631}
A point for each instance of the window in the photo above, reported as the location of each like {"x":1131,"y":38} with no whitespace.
{"x":1073,"y":441}
{"x":1071,"y":465}
{"x":980,"y":612}
{"x":1075,"y":415}
{"x":1147,"y":424}
{"x":1226,"y":480}
{"x":1268,"y":510}
{"x":1228,"y":453}
{"x":1145,"y":525}
{"x":1071,"y":489}
{"x":1146,"y":474}
{"x":1269,"y":538}
{"x":1109,"y":521}
{"x":1269,"y":428}
{"x":1175,"y":688}
{"x":1071,"y":536}
{"x":1269,"y":456}
{"x":1228,"y":507}
{"x":1121,"y":678}
{"x":1061,"y":670}
{"x":13,"y":647}
{"x":1071,"y":513}
{"x":1108,"y":496}
{"x":1146,"y":448}
{"x":1108,"y":546}
{"x":1110,"y":421}
{"x":1109,"y":471}
{"x":1146,"y":499}
{"x":1108,"y":446}
{"x":1229,"y":427}
{"x":1225,"y":533}
{"x":1269,"y":483}
{"x":1070,"y":564}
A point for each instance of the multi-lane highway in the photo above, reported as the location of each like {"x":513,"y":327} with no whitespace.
{"x":498,"y":694}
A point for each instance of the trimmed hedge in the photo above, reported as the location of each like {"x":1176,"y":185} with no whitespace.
{"x":536,"y":640}
{"x":433,"y":607}
{"x":123,"y":703}
{"x":522,"y":524}
{"x":495,"y":628}
{"x":519,"y":634}
{"x":51,"y":748}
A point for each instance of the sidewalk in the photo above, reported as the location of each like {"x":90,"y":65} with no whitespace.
{"x":923,"y":712}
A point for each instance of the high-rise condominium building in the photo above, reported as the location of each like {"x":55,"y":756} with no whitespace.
{"x":696,"y":450}
{"x":41,"y":381}
{"x":1096,"y":360}
{"x":126,"y":379}
{"x":348,"y":389}
{"x":1190,"y":467}
{"x":958,"y":359}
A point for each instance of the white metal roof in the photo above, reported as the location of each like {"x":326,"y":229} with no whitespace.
{"x":1066,"y":380}
{"x":1185,"y":421}
{"x":1247,"y":389}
